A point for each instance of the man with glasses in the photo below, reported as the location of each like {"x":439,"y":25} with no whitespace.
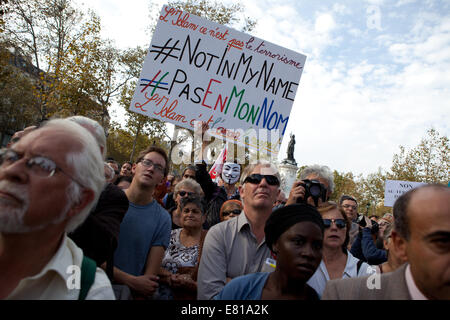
{"x":421,"y":236}
{"x":49,"y":181}
{"x":350,"y":207}
{"x":145,"y":230}
{"x":236,"y":247}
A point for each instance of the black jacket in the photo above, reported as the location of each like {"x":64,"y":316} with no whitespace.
{"x":99,"y":233}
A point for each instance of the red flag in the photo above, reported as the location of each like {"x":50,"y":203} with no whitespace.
{"x":216,"y":169}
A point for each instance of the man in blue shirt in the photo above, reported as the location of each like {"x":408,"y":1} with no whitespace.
{"x":145,"y":230}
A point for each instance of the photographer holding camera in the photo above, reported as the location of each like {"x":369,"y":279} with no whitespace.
{"x":364,"y":247}
{"x":314,"y":187}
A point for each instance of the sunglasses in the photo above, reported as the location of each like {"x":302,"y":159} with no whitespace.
{"x":340,"y":223}
{"x":183,"y":193}
{"x":256,"y":178}
{"x":235,"y":212}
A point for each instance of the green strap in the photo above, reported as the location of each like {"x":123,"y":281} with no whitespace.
{"x":88,"y":270}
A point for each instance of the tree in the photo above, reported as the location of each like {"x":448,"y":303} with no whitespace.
{"x":120,"y":139}
{"x":344,"y":183}
{"x":16,"y":93}
{"x":427,"y":162}
{"x":80,"y":72}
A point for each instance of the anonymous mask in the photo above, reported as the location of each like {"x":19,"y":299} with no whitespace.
{"x":231,"y":172}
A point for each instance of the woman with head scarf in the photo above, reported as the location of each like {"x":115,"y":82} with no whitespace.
{"x":294,"y":234}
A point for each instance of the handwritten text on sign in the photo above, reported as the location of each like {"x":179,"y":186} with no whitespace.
{"x":197,"y":70}
{"x":395,"y":188}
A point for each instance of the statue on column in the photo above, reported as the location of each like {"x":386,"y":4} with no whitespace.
{"x":290,"y":151}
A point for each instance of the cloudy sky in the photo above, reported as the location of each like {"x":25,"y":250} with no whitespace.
{"x":376,"y":75}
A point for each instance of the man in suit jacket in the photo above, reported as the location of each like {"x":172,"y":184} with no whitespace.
{"x":422,"y":235}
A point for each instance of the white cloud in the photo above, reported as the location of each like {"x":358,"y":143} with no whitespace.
{"x":341,"y":9}
{"x":324,"y":23}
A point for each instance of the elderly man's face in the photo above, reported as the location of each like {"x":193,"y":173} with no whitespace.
{"x":29,"y":201}
{"x":428,"y":249}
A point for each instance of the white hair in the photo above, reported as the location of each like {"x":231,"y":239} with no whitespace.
{"x":323,"y":172}
{"x":88,"y":168}
{"x":94,"y":128}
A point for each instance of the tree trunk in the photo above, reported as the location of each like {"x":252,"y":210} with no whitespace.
{"x":138,"y":131}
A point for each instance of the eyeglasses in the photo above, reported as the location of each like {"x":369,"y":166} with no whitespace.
{"x":149,"y":163}
{"x":346,"y":206}
{"x":256,"y":178}
{"x":340,"y":223}
{"x":235,"y":212}
{"x":184,"y":193}
{"x":38,"y":165}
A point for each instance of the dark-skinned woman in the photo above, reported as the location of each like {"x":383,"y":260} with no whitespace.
{"x":294,"y":234}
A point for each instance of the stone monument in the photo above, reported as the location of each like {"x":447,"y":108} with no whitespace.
{"x":288,"y":168}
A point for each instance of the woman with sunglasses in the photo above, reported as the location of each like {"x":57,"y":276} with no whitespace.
{"x":230,"y":209}
{"x":337,"y":262}
{"x":185,"y":188}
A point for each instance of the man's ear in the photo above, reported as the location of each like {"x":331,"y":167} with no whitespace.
{"x":241,"y":190}
{"x":400,"y":245}
{"x":133,"y":168}
{"x":87,"y":196}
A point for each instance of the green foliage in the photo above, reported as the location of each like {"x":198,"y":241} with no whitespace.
{"x":427,"y":162}
{"x":16,"y":95}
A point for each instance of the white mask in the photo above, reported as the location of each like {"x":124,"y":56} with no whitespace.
{"x":231,"y":172}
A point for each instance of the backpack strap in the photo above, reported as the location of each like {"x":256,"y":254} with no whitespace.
{"x":88,"y":270}
{"x":358,"y":266}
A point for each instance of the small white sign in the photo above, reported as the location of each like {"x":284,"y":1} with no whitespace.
{"x":395,"y":188}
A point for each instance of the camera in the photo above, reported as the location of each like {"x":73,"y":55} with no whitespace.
{"x":314,"y":189}
{"x":362,"y":222}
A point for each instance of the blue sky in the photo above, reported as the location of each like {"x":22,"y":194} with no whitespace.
{"x":376,"y":74}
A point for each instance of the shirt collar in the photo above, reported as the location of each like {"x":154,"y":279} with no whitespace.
{"x":412,"y":288}
{"x":58,"y":263}
{"x":242,"y":220}
{"x":351,"y":267}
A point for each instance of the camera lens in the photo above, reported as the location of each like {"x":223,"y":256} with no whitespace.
{"x":315,"y":191}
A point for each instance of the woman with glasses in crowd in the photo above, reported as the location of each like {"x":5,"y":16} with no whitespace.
{"x":185,"y":188}
{"x":230,"y":209}
{"x":337,"y":262}
{"x":178,"y":273}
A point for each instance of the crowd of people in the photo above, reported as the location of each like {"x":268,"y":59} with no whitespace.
{"x":75,"y":224}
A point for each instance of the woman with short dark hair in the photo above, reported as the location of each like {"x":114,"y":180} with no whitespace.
{"x":178,"y":272}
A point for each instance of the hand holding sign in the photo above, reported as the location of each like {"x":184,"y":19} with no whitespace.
{"x":203,"y":71}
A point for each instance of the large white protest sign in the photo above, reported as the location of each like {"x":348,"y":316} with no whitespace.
{"x":198,"y":70}
{"x":395,"y":188}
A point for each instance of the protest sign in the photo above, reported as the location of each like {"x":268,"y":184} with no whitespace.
{"x":198,"y":70}
{"x":395,"y":188}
